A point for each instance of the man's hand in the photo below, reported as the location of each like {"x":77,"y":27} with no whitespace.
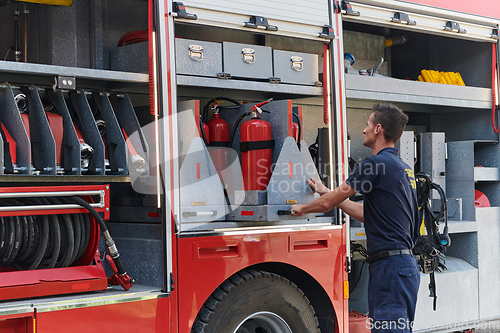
{"x":318,"y":186}
{"x":297,"y":210}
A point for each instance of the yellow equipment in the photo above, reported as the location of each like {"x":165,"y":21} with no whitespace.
{"x":441,"y":77}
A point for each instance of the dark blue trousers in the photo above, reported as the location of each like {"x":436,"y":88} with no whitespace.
{"x":392,"y":293}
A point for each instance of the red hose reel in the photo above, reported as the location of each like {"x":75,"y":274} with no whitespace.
{"x":85,"y":274}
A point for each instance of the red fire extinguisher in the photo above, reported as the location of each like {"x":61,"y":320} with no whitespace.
{"x":219,"y":140}
{"x":256,"y":151}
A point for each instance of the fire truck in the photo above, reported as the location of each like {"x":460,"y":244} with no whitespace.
{"x":151,"y":151}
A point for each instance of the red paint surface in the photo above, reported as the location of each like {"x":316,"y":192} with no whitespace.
{"x":256,"y":164}
{"x":141,"y":316}
{"x":56,"y":126}
{"x":17,"y":323}
{"x":219,"y":133}
{"x":319,"y":253}
{"x":54,"y":281}
{"x":12,"y":144}
{"x":489,"y":8}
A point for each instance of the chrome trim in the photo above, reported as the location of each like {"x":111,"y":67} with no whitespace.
{"x":48,"y":194}
{"x":97,"y":301}
{"x":259,"y":230}
{"x":16,"y":310}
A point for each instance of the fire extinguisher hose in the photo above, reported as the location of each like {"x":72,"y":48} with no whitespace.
{"x":110,"y":243}
{"x":42,"y":241}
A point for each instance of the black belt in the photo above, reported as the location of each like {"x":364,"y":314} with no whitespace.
{"x":380,"y":255}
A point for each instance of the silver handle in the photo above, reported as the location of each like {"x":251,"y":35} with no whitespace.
{"x":196,"y":52}
{"x":248,"y":55}
{"x":297,"y":63}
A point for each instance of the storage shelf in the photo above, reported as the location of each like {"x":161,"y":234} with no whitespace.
{"x":376,"y":88}
{"x":39,"y":74}
{"x":276,"y":88}
{"x":64,"y":179}
{"x":454,"y":227}
{"x":486,"y":174}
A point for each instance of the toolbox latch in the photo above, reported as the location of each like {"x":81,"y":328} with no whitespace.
{"x":248,"y":55}
{"x":347,"y":8}
{"x":402,"y":18}
{"x":452,"y":26}
{"x":495,"y":33}
{"x":179,"y":11}
{"x":196,"y":52}
{"x":327,"y":33}
{"x":258,"y":21}
{"x":297,"y":63}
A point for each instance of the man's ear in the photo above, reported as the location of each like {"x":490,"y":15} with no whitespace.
{"x":378,"y":129}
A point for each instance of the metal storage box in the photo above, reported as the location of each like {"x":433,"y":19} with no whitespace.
{"x":198,"y":58}
{"x":247,"y":61}
{"x":295,"y":67}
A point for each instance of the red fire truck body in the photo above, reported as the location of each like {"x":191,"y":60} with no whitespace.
{"x":135,"y":149}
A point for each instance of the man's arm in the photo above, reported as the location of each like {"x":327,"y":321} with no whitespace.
{"x":353,"y":209}
{"x":325,"y":202}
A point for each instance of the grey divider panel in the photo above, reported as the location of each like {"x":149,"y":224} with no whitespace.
{"x":125,"y":114}
{"x":187,"y":122}
{"x":11,"y":119}
{"x":115,"y":142}
{"x":460,"y":176}
{"x":306,"y":73}
{"x":261,"y":67}
{"x":209,"y":65}
{"x":309,"y":167}
{"x":282,"y":187}
{"x":43,"y":145}
{"x":202,"y":194}
{"x":83,"y":118}
{"x":71,"y":146}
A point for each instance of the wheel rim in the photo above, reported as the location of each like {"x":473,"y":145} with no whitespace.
{"x":263,"y":322}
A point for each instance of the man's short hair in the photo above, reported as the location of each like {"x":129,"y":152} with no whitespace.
{"x":392,"y":120}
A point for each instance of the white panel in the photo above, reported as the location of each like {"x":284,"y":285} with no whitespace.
{"x":310,"y":12}
{"x":425,"y":22}
{"x":293,"y":18}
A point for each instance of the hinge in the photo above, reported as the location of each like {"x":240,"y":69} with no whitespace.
{"x":257,"y":21}
{"x":327,"y":33}
{"x":180,"y":11}
{"x":452,"y":26}
{"x":346,"y":6}
{"x":495,"y":33}
{"x":402,"y":18}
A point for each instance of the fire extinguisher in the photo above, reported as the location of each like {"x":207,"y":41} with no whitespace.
{"x":256,"y":147}
{"x":219,"y":140}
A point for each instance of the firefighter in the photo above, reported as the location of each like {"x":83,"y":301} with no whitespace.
{"x":389,"y":213}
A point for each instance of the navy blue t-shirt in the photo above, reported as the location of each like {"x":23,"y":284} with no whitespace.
{"x":390,"y":206}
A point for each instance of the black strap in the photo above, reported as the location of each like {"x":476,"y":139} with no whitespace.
{"x":256,"y":145}
{"x":371,"y":259}
{"x":224,"y":144}
{"x":432,"y":289}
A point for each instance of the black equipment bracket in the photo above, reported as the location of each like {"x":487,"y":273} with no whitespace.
{"x":180,"y":11}
{"x":258,"y":21}
{"x":346,"y":6}
{"x":327,"y":33}
{"x":402,"y":18}
{"x":452,"y":26}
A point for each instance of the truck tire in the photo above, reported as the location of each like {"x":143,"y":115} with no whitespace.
{"x":256,"y":302}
